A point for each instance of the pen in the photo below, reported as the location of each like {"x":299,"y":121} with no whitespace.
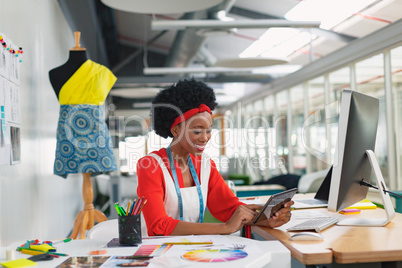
{"x":62,"y":241}
{"x":137,"y":257}
{"x":122,"y":211}
{"x":116,"y":205}
{"x":37,"y":252}
{"x":188,"y":243}
{"x":58,"y":254}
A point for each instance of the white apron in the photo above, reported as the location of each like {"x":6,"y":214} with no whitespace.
{"x":191,"y":203}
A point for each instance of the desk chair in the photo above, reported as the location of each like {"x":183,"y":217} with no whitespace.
{"x":105,"y":230}
{"x":288,"y":181}
{"x":311,"y":182}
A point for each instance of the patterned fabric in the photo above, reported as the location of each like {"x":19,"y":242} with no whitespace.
{"x":83,"y":139}
{"x":84,"y":144}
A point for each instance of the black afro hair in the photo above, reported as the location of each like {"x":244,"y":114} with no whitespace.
{"x":178,"y":99}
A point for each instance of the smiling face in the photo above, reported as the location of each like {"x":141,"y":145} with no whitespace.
{"x":192,"y":135}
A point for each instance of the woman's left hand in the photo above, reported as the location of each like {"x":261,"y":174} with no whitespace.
{"x":279,"y":218}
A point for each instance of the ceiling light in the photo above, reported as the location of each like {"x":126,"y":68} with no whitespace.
{"x":278,"y":42}
{"x":191,"y":70}
{"x":135,"y":93}
{"x":271,"y":38}
{"x":249,"y":62}
{"x":329,"y":12}
{"x":161,"y":6}
{"x":214,"y":24}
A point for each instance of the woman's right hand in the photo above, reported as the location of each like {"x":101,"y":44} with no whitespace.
{"x":242,"y":215}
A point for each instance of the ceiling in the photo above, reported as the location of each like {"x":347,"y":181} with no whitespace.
{"x":145,"y":59}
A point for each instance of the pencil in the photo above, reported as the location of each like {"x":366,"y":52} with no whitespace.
{"x":142,"y":206}
{"x":138,"y":205}
{"x":132,"y":207}
{"x":188,"y":243}
{"x":128,"y":207}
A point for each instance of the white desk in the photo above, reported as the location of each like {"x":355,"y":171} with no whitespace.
{"x":261,"y":254}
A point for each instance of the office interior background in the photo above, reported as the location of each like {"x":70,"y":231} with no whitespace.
{"x":271,"y":120}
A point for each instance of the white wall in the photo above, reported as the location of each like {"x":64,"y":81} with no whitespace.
{"x":34,"y":203}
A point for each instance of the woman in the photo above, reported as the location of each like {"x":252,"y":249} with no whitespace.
{"x":180,"y":181}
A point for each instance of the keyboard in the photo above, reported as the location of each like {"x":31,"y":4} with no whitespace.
{"x":317,"y":224}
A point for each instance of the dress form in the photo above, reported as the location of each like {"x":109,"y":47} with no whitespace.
{"x":86,"y":218}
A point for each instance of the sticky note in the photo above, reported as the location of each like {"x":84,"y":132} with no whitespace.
{"x":364,"y":204}
{"x":350,"y":211}
{"x":19,"y":263}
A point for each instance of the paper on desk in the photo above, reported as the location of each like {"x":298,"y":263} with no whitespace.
{"x":170,"y":239}
{"x":306,"y":214}
{"x":116,"y":261}
{"x":251,"y":201}
{"x":173,"y":256}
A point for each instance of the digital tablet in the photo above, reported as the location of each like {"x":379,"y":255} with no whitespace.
{"x":274,"y":204}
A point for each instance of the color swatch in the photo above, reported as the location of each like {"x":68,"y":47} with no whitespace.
{"x":215,"y":255}
{"x":152,"y":250}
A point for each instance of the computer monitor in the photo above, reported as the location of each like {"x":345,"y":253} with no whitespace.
{"x":354,"y":157}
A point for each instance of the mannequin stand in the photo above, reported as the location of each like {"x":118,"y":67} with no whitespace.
{"x":85,"y":220}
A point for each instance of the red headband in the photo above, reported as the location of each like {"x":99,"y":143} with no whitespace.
{"x":190,"y":113}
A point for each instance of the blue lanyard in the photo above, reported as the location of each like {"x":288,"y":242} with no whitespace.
{"x":176,"y":184}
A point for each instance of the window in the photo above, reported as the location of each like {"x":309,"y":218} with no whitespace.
{"x":315,"y":125}
{"x":370,"y":81}
{"x":280,"y":124}
{"x":396,"y":68}
{"x":296,"y":143}
{"x":338,"y":80}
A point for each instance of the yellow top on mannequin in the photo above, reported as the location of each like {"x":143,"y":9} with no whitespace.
{"x":90,"y":84}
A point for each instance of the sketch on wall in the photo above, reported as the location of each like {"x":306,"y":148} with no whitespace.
{"x":10,"y":119}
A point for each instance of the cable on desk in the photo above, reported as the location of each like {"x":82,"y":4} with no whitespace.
{"x":364,"y":183}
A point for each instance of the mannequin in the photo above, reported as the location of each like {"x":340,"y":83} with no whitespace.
{"x":68,"y":82}
{"x":59,"y":76}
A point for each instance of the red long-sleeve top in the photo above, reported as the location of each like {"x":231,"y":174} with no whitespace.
{"x":221,"y":201}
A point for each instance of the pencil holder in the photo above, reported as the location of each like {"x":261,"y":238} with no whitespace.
{"x":130,"y":230}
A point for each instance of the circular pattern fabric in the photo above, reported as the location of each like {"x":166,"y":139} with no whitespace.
{"x":84,"y":144}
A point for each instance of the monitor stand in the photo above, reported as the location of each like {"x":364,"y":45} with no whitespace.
{"x":388,"y":207}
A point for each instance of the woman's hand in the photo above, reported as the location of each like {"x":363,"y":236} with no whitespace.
{"x":279,"y":218}
{"x":242,"y":215}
